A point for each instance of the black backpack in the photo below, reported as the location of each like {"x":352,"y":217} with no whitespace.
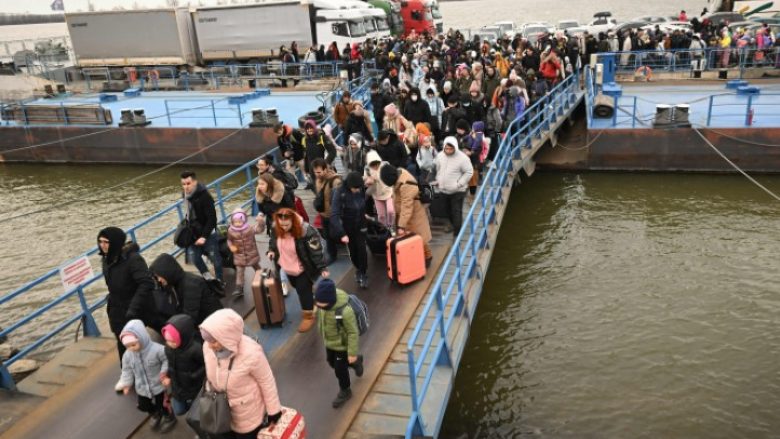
{"x":289,"y":180}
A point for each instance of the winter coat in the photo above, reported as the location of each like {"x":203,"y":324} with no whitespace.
{"x":309,"y":250}
{"x":348,"y":212}
{"x":394,"y":152}
{"x":410,"y":214}
{"x":449,"y":118}
{"x":194,"y":296}
{"x":317,"y":146}
{"x":328,"y":185}
{"x":436,"y":107}
{"x":426,"y":158}
{"x":130,"y":287}
{"x":269,"y":205}
{"x":244,"y":240}
{"x":143,"y":368}
{"x":453,"y":172}
{"x":343,"y":338}
{"x":202,"y":213}
{"x":341,"y":112}
{"x":475,"y":109}
{"x":417,"y":112}
{"x":186,"y":368}
{"x":354,"y":159}
{"x":250,"y":384}
{"x":378,"y":190}
{"x":490,"y":84}
{"x":397,"y":124}
{"x":359,"y":124}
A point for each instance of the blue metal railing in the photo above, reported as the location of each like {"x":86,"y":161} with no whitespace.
{"x":161,"y":220}
{"x":447,"y":299}
{"x":683,"y":60}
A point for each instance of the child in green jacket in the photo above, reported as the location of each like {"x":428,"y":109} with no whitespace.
{"x":341,"y":339}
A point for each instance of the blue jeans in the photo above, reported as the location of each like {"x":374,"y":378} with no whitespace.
{"x":180,"y":407}
{"x":211,"y":248}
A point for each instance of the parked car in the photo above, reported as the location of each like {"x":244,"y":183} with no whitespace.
{"x":624,"y":27}
{"x":652,"y":19}
{"x":507,"y":28}
{"x":719,"y":17}
{"x":602,"y":22}
{"x":567,"y":24}
{"x":531,"y":32}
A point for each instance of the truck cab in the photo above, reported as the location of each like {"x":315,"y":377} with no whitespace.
{"x":344,"y":26}
{"x":416,"y":17}
{"x":393,"y":12}
{"x":438,"y":19}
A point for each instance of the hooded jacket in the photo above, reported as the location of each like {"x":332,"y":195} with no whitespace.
{"x":453,"y":172}
{"x":318,"y":145}
{"x":394,"y":152}
{"x":194,"y":296}
{"x":355,"y":158}
{"x":247,"y":254}
{"x":250,"y":384}
{"x":348,"y":212}
{"x":409,"y":212}
{"x":360,"y":125}
{"x":202,"y":213}
{"x":143,"y":368}
{"x":309,"y":250}
{"x":378,"y":190}
{"x":129,"y":282}
{"x":344,"y":338}
{"x":186,"y":368}
{"x":417,"y":111}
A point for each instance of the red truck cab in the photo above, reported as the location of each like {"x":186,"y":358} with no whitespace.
{"x":417,"y":17}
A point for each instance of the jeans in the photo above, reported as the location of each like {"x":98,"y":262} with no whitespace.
{"x":211,"y":248}
{"x":180,"y":407}
{"x":454,"y":203}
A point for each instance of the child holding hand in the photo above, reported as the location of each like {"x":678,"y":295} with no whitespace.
{"x":241,"y":241}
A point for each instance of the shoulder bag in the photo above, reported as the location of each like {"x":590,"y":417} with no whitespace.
{"x":212,"y":408}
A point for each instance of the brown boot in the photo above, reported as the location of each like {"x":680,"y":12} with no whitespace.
{"x":307,"y":321}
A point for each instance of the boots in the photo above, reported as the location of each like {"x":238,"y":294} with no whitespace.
{"x":341,"y":398}
{"x":307,"y":321}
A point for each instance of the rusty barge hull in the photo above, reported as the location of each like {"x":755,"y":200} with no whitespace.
{"x":88,"y":145}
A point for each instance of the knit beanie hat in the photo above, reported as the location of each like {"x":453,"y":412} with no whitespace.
{"x":310,"y":123}
{"x":388,"y":174}
{"x":325,"y":292}
{"x":171,"y":334}
{"x":354,"y":180}
{"x":127,"y":338}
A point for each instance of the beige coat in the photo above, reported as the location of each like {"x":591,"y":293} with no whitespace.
{"x":409,"y":212}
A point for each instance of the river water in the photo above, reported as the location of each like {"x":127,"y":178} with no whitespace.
{"x":627,"y":306}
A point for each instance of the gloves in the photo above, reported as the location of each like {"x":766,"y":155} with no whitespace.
{"x":273,"y":419}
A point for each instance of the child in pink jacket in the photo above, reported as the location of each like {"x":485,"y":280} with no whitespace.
{"x":241,"y":241}
{"x":237,"y":364}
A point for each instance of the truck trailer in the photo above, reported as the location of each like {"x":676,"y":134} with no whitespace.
{"x":132,"y":37}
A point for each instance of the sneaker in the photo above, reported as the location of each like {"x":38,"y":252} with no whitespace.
{"x":119,"y":387}
{"x":168,"y":423}
{"x":358,"y":366}
{"x":447,"y":228}
{"x":342,"y":397}
{"x":155,"y":421}
{"x":285,"y":289}
{"x":363,"y":281}
{"x":428,"y":262}
{"x":238,"y":292}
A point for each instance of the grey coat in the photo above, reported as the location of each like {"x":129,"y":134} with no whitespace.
{"x":143,"y":368}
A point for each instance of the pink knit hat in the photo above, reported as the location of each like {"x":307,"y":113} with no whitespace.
{"x":127,"y":338}
{"x":171,"y":334}
{"x":391,"y":110}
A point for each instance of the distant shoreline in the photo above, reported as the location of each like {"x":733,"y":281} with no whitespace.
{"x":16,"y":19}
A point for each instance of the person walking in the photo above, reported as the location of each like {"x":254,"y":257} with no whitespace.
{"x":129,"y":284}
{"x":193,"y":295}
{"x":296,"y":247}
{"x":186,"y":369}
{"x":237,"y":364}
{"x":203,"y":220}
{"x":453,"y":173}
{"x":348,"y":223}
{"x":326,"y":181}
{"x":381,"y":193}
{"x":411,"y":216}
{"x":241,"y":241}
{"x":340,"y":335}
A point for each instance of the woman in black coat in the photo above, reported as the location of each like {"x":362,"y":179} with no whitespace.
{"x":416,"y":109}
{"x":186,"y":369}
{"x":192,"y":293}
{"x":129,"y":283}
{"x":348,"y":223}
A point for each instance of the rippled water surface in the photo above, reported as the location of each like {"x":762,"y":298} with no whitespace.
{"x":627,"y":306}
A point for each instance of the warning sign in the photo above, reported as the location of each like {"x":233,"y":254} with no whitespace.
{"x":75,"y":272}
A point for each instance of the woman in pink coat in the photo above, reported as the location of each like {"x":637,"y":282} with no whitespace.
{"x":251,"y":388}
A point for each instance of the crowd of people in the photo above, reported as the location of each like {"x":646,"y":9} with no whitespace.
{"x":440,"y":106}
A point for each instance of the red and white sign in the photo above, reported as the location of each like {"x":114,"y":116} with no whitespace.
{"x":75,"y":272}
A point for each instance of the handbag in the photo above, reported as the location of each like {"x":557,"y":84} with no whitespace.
{"x":213,"y":408}
{"x":184,"y":237}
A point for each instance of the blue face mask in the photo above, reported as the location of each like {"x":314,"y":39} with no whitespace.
{"x":223,"y":353}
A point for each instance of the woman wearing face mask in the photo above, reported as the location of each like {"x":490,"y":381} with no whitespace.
{"x":416,"y":109}
{"x":237,"y":365}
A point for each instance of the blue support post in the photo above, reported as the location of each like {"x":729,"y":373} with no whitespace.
{"x":214,"y":112}
{"x":749,"y":112}
{"x":709,"y":110}
{"x":64,"y":113}
{"x":90,"y":327}
{"x":615,"y":111}
{"x":6,"y":381}
{"x":133,"y":238}
{"x":220,"y":201}
{"x":633,"y":115}
{"x":240,"y":116}
{"x":168,"y":113}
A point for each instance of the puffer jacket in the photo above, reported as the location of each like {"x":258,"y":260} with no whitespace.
{"x":195,"y":297}
{"x":341,"y":339}
{"x":247,"y":254}
{"x":378,"y":190}
{"x":348,"y":212}
{"x":130,"y":287}
{"x":453,"y":172}
{"x":186,"y":368}
{"x":143,"y":368}
{"x":394,"y":152}
{"x":309,"y":250}
{"x":250,"y":384}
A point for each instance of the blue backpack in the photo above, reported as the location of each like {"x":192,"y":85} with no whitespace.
{"x":360,"y":309}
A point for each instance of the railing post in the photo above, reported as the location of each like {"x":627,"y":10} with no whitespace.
{"x":615,"y":110}
{"x":633,"y":115}
{"x":240,"y":116}
{"x":6,"y":381}
{"x":133,"y":238}
{"x":249,"y":178}
{"x":64,"y":113}
{"x":749,"y":111}
{"x":709,"y":110}
{"x":220,"y":201}
{"x":214,"y":112}
{"x":90,"y":327}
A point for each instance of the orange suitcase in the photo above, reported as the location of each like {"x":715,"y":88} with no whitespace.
{"x":405,"y":259}
{"x":269,"y":300}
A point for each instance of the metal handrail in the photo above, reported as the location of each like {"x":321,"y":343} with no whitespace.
{"x":85,"y":315}
{"x":461,"y":261}
{"x":676,"y":60}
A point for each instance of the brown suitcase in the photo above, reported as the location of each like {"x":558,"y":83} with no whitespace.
{"x":269,"y":300}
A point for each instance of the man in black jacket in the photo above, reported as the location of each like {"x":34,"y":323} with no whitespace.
{"x":129,"y":283}
{"x":193,"y":296}
{"x":203,"y":220}
{"x":391,"y":149}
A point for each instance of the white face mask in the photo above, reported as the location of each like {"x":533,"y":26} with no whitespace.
{"x":414,"y":98}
